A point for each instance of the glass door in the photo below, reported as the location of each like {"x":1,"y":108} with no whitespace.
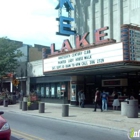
{"x":47,"y":91}
{"x":52,"y":90}
{"x":73,"y":92}
{"x":58,"y":95}
{"x":42,"y":91}
{"x":38,"y":91}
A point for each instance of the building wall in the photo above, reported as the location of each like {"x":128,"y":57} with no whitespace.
{"x":35,"y":53}
{"x":35,"y":68}
{"x":94,"y":14}
{"x":21,"y":71}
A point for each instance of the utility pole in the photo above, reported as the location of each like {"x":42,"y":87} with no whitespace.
{"x":21,"y":74}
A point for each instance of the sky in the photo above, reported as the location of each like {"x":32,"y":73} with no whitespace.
{"x":30,"y":21}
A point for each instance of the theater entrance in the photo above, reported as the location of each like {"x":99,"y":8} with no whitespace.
{"x":90,"y":93}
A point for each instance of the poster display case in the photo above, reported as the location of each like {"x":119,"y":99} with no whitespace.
{"x":73,"y":92}
{"x":47,"y":91}
{"x":42,"y":91}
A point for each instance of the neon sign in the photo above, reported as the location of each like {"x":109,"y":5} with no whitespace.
{"x":82,"y":42}
{"x":64,"y":22}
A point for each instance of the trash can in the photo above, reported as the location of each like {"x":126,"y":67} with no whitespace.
{"x":25,"y":99}
{"x":124,"y":108}
{"x":13,"y":98}
{"x":132,"y":109}
{"x":5,"y":103}
{"x":20,"y":104}
{"x":65,"y":110}
{"x":24,"y":106}
{"x":41,"y":107}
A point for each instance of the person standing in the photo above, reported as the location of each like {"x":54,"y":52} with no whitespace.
{"x":131,"y":97}
{"x":79,"y":97}
{"x":104,"y":100}
{"x":116,"y":102}
{"x":97,"y":100}
{"x":82,"y":99}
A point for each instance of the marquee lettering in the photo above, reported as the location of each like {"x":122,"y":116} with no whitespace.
{"x":66,"y":46}
{"x":65,"y":26}
{"x":99,"y":35}
{"x":82,"y":42}
{"x":65,"y":3}
{"x":64,"y":22}
{"x":53,"y":51}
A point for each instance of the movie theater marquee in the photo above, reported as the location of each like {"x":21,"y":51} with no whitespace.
{"x":89,"y":57}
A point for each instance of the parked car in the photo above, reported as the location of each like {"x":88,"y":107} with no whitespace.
{"x":5,"y":131}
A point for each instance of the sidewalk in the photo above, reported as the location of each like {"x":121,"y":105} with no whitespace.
{"x":109,"y":119}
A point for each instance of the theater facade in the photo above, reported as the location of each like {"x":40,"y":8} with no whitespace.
{"x":100,"y":53}
{"x":105,"y":64}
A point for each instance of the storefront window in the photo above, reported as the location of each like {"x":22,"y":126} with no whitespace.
{"x":38,"y":91}
{"x":47,"y":91}
{"x":58,"y":91}
{"x":42,"y":91}
{"x":63,"y":90}
{"x":73,"y":92}
{"x":52,"y":90}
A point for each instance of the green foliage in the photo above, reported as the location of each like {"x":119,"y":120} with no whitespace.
{"x":9,"y":55}
{"x":29,"y":104}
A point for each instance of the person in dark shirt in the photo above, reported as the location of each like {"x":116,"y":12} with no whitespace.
{"x":82,"y":99}
{"x":98,"y":100}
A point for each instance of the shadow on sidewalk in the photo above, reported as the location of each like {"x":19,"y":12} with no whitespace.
{"x":47,"y":112}
{"x":72,"y":116}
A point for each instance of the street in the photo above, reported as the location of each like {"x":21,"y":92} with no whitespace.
{"x":38,"y":128}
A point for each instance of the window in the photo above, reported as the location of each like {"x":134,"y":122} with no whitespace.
{"x":47,"y":91}
{"x":53,"y":90}
{"x":58,"y":91}
{"x":42,"y":92}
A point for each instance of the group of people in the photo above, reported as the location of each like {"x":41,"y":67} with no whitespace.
{"x":6,"y":93}
{"x":101,"y":99}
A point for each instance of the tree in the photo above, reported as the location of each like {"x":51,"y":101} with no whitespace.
{"x":9,"y":55}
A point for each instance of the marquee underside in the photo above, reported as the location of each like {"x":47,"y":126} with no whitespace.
{"x":118,"y":67}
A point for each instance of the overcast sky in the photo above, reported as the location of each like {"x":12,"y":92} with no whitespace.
{"x":30,"y":21}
